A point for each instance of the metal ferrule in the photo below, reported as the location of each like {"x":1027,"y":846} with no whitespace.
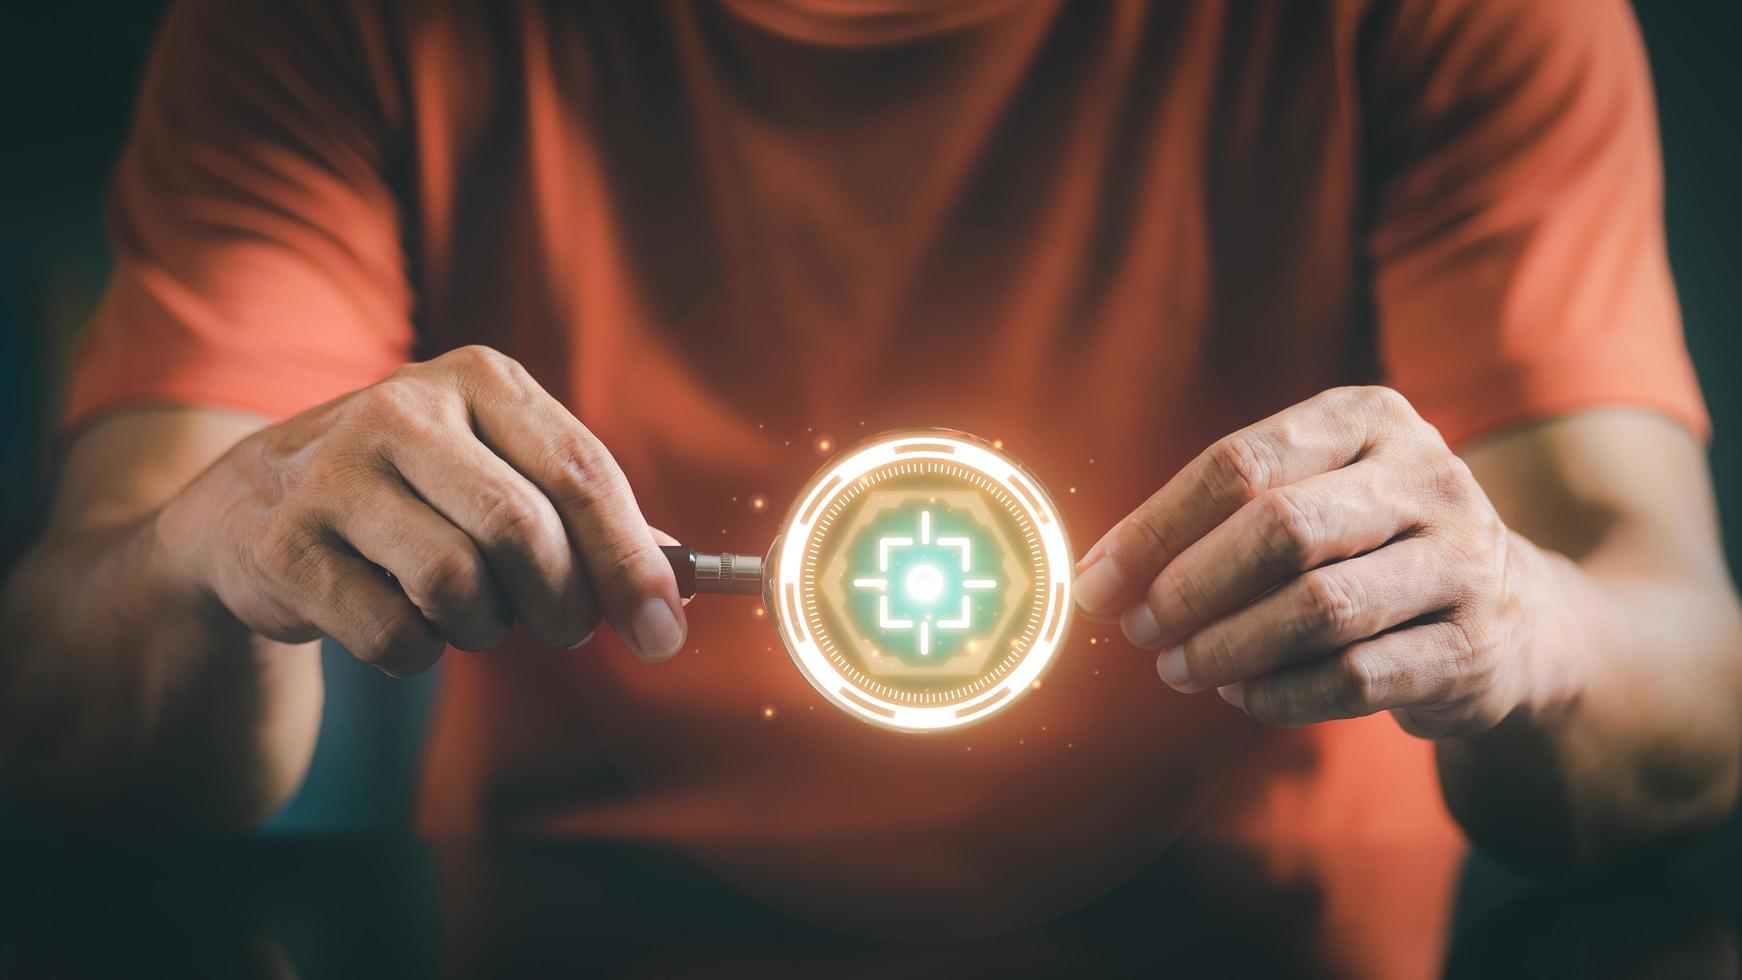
{"x":729,"y":574}
{"x":721,"y":574}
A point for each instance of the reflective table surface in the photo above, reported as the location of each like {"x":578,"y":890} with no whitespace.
{"x":390,"y":908}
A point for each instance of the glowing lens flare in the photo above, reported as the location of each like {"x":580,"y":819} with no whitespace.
{"x":925,"y":583}
{"x":922,"y":581}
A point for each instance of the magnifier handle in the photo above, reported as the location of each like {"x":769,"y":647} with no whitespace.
{"x":724,"y":573}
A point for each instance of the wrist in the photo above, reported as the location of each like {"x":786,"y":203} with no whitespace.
{"x":1547,"y":629}
{"x":170,"y":552}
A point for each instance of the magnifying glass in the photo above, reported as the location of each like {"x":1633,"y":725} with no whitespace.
{"x":920,"y":582}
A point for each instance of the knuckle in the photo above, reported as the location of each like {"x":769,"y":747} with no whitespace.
{"x":1474,"y":556}
{"x":559,"y":613}
{"x":490,"y":369}
{"x":474,"y":356}
{"x":1267,"y":704}
{"x":490,"y":635}
{"x":392,"y":410}
{"x":1242,"y":466}
{"x":1291,"y":522}
{"x":1149,"y":535}
{"x":401,"y":645}
{"x":1343,"y":403}
{"x":1449,"y":478}
{"x":575,"y":629}
{"x":391,"y":401}
{"x":512,"y":516}
{"x":1494,"y":538}
{"x":579,"y":472}
{"x":565,"y":618}
{"x":1383,"y":402}
{"x":1360,"y":687}
{"x":1331,"y":604}
{"x":622,"y":571}
{"x":1211,"y":659}
{"x":1468,"y":647}
{"x":1177,"y":592}
{"x":409,"y":373}
{"x":292,"y":552}
{"x":1292,"y":431}
{"x":445,"y":580}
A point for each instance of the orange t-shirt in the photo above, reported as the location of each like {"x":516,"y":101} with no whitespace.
{"x":1105,"y":233}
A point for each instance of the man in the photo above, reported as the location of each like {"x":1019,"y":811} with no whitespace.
{"x":1398,"y":265}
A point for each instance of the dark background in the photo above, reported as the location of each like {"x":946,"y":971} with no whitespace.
{"x":68,"y":73}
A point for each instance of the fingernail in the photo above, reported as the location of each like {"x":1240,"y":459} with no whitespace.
{"x":583,"y":641}
{"x":1098,"y":585}
{"x":657,"y":634}
{"x":1234,"y":694}
{"x":1171,"y":665}
{"x":1140,"y":627}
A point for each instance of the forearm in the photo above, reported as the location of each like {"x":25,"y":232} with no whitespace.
{"x":1628,"y":732}
{"x":129,"y":698}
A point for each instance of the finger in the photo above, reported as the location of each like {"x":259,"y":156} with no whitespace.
{"x":514,"y":526}
{"x":1323,"y":433}
{"x":1324,"y":610}
{"x":437,"y":566}
{"x":353,"y":602}
{"x":633,"y":582}
{"x":1276,"y":536}
{"x":1393,"y":671}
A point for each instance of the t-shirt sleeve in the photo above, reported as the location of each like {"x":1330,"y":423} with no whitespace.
{"x":1516,"y":226}
{"x":258,"y":260}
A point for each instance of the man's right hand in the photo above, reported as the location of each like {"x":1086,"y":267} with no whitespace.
{"x":437,"y":507}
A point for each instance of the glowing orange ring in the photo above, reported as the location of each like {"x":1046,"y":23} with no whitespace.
{"x":786,"y":601}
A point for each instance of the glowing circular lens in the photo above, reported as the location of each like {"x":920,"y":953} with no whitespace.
{"x":922,"y":581}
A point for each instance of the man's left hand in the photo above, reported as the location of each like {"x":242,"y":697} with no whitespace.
{"x":1334,"y":560}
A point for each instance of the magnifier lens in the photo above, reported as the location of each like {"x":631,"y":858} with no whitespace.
{"x":922,"y":581}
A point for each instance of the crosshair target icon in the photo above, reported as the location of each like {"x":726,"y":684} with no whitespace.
{"x":928,"y":595}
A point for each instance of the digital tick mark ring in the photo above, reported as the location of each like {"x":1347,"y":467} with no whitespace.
{"x":922,"y":581}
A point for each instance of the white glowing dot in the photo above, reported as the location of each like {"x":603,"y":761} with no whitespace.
{"x":924,"y":583}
